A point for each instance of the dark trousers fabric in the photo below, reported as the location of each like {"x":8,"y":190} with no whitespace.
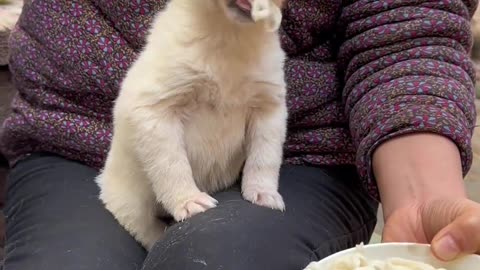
{"x":55,"y":221}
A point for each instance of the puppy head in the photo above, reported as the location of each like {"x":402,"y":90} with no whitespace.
{"x":267,"y":12}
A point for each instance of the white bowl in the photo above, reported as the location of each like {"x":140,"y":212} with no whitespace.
{"x":416,"y":252}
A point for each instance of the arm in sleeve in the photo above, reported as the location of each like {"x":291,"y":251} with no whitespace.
{"x":407,"y":69}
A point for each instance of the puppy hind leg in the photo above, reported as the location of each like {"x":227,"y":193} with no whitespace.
{"x":133,"y":204}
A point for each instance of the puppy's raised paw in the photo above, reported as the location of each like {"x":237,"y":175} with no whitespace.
{"x":266,"y":198}
{"x":261,"y":9}
{"x":198,"y":203}
{"x":271,"y":14}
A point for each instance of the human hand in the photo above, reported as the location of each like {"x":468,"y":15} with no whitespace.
{"x":452,"y":226}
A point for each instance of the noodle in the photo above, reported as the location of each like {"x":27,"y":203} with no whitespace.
{"x":357,"y":261}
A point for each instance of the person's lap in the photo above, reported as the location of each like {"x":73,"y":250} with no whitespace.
{"x":55,"y":221}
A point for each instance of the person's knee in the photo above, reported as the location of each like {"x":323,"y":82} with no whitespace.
{"x":232,"y":238}
{"x":192,"y":245}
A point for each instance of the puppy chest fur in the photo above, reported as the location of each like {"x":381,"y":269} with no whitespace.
{"x":214,"y":140}
{"x":215,"y":116}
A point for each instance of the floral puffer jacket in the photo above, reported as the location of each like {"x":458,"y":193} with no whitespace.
{"x":358,"y":71}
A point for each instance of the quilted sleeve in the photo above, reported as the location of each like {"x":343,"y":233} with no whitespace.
{"x":407,"y":69}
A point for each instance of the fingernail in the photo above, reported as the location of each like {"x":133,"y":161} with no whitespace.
{"x":446,"y":248}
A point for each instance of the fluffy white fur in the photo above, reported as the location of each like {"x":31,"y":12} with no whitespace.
{"x":205,"y":98}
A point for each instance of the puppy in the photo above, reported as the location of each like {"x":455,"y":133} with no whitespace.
{"x":204,"y":100}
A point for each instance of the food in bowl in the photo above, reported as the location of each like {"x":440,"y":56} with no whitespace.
{"x":358,"y":261}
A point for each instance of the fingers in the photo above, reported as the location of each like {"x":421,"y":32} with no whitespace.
{"x":436,"y":215}
{"x":462,"y":236}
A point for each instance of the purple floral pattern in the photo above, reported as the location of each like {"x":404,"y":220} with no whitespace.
{"x":392,"y":67}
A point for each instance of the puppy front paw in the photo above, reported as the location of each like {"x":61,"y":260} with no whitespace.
{"x":264,"y":197}
{"x":265,"y":10}
{"x":197,"y":203}
{"x":260,"y":9}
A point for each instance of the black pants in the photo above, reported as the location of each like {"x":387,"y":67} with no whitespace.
{"x":56,"y":222}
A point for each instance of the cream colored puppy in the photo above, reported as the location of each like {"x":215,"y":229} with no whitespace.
{"x":205,"y":98}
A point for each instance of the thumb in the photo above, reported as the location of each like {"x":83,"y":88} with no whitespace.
{"x":460,"y":236}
